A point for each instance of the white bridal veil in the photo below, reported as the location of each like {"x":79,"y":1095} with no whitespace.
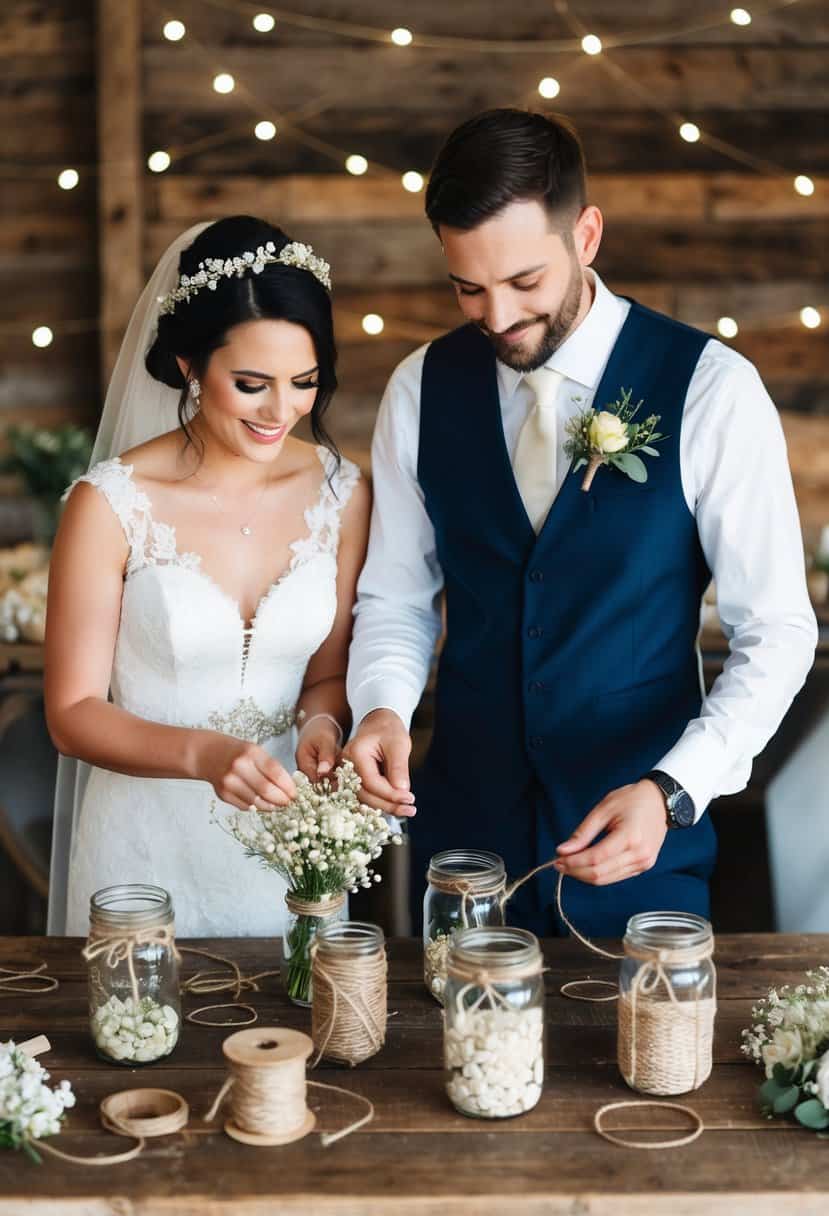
{"x":137,"y":408}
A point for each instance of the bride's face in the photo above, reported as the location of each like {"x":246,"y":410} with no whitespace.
{"x":257,"y":387}
{"x":521,"y":280}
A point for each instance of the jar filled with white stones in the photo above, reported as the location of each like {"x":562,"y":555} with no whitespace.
{"x":464,"y":890}
{"x":133,"y":974}
{"x":494,"y":1022}
{"x":667,"y":1002}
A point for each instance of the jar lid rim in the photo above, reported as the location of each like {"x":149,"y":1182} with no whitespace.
{"x":490,"y":945}
{"x":672,"y":930}
{"x":149,"y":905}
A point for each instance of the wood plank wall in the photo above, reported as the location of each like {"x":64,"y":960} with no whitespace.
{"x":688,"y":230}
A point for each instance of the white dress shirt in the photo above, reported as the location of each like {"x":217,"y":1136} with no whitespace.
{"x":736,"y":481}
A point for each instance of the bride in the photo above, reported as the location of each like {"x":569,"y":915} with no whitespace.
{"x":202,"y":584}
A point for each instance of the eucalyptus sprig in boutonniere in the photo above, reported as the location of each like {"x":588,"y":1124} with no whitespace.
{"x":611,"y":436}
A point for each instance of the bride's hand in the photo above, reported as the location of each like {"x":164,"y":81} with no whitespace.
{"x":242,"y":773}
{"x":318,"y":747}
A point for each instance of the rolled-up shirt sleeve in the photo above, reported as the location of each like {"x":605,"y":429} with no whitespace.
{"x":397,"y":614}
{"x":736,"y":471}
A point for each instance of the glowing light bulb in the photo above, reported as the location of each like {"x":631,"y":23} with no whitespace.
{"x":224,"y":83}
{"x":804,"y":185}
{"x":373,"y":324}
{"x":42,"y":336}
{"x":810,"y":317}
{"x":158,"y":161}
{"x":412,"y":181}
{"x":591,"y":44}
{"x":727,"y":327}
{"x":549,"y":87}
{"x":741,"y":16}
{"x":174,"y":31}
{"x":265,"y":129}
{"x":68,"y":179}
{"x":263,"y":23}
{"x":356,"y":165}
{"x":690,"y":132}
{"x":401,"y":36}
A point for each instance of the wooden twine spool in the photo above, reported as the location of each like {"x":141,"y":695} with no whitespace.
{"x":349,"y":992}
{"x":266,"y":1086}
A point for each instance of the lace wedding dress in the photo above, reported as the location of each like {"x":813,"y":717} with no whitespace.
{"x":184,"y":657}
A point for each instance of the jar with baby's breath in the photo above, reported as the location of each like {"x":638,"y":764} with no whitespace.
{"x":133,"y":974}
{"x":667,"y":1002}
{"x":465,"y":889}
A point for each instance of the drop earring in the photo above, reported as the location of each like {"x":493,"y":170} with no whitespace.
{"x":194,"y":391}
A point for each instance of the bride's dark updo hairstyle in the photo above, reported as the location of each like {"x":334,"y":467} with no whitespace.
{"x":199,"y":326}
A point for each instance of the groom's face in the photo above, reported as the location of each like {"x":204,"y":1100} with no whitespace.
{"x":520,"y":278}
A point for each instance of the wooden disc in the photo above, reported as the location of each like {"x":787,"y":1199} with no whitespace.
{"x":304,"y":1128}
{"x":149,"y":1112}
{"x":267,"y":1046}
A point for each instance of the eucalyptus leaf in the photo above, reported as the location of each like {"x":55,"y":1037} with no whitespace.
{"x":770,"y":1091}
{"x":812,"y":1114}
{"x":648,"y":450}
{"x":632,"y":466}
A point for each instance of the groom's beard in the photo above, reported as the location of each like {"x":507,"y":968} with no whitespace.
{"x":545,"y":334}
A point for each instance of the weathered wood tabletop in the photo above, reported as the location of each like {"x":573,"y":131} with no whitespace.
{"x":418,"y":1155}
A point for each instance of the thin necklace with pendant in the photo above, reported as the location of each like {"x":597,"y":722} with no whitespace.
{"x":245,"y":529}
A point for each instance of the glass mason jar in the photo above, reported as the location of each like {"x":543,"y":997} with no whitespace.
{"x":303,"y":920}
{"x":349,"y":987}
{"x":494,"y":1022}
{"x":667,"y":1002}
{"x":464,"y":889}
{"x":133,"y":974}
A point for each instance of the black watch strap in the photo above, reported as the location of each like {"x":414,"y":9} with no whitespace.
{"x":680,"y":811}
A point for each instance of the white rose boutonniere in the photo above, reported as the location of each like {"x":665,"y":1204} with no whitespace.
{"x":612,"y":436}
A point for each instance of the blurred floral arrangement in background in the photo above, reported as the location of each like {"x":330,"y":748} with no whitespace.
{"x":45,"y":461}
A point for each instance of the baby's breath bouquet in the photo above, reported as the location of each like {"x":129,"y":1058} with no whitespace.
{"x":29,"y":1109}
{"x":323,"y":844}
{"x":612,"y":436}
{"x":789,"y":1037}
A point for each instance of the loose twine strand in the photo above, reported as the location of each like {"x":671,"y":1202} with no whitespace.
{"x":349,"y":1008}
{"x":12,"y":981}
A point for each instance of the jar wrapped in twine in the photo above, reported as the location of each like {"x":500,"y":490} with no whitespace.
{"x":667,"y":1003}
{"x":349,"y":991}
{"x":465,"y":889}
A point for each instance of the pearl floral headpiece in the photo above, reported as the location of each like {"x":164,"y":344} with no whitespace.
{"x":212,"y":270}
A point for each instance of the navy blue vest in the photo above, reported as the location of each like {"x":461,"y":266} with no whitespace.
{"x":569,"y":666}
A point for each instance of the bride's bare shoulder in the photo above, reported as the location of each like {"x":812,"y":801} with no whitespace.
{"x":158,"y":459}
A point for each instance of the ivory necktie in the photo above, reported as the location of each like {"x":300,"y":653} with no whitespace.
{"x":535,"y":454}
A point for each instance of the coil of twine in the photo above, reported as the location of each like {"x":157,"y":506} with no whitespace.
{"x":267,"y":1089}
{"x":349,"y":1003}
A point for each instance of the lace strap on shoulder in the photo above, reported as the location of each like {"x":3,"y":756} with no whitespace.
{"x":129,"y":504}
{"x":337,"y":488}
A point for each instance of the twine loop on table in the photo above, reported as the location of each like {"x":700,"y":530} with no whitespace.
{"x":12,"y":981}
{"x":212,"y":981}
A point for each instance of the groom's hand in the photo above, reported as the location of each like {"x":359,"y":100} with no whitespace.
{"x":633,"y":818}
{"x":380,"y":753}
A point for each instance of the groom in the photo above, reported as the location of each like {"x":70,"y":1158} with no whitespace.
{"x":569,"y":717}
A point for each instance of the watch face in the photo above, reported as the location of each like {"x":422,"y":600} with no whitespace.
{"x":682,"y":809}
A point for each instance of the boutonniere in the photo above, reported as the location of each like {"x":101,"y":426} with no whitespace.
{"x":612,"y":436}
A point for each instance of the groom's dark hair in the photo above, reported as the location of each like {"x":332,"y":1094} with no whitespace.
{"x":507,"y":156}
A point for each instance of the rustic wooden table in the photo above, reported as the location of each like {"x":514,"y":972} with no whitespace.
{"x":418,"y":1155}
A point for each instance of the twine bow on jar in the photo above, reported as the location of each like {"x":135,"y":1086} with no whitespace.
{"x":119,"y":947}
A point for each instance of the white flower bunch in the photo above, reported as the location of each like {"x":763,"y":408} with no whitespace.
{"x":324,"y":842}
{"x":29,"y":1109}
{"x":789,"y":1038}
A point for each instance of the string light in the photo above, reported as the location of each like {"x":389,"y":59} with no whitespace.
{"x":68,"y":179}
{"x":263,"y":23}
{"x":356,"y":165}
{"x":690,"y":132}
{"x":42,"y":336}
{"x":174,"y":31}
{"x":810,"y":317}
{"x":401,"y":36}
{"x":804,"y":185}
{"x":224,"y":83}
{"x":373,"y":324}
{"x":549,"y":87}
{"x":158,"y":161}
{"x":740,"y":16}
{"x":265,"y":129}
{"x":727,"y":327}
{"x":412,"y":181}
{"x":591,"y":44}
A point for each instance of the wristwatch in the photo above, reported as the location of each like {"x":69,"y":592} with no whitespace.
{"x":679,"y":805}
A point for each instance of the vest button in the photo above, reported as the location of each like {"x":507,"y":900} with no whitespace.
{"x":534,"y":632}
{"x":536,"y":686}
{"x":536,"y":741}
{"x":536,"y":576}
